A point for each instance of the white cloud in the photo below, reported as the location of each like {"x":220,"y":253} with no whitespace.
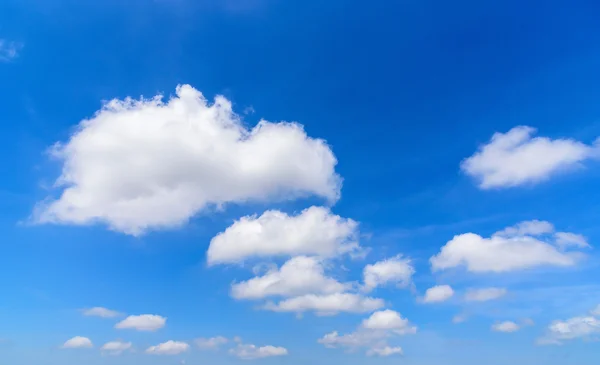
{"x":298,"y":276}
{"x":439,"y":293}
{"x":211,"y":343}
{"x":566,"y":239}
{"x":527,"y":228}
{"x":506,"y":327}
{"x":78,"y":342}
{"x":315,"y":231}
{"x":168,"y":348}
{"x":484,"y":294}
{"x":372,"y":334}
{"x":251,"y":352}
{"x":515,"y":158}
{"x":9,"y":50}
{"x":328,"y":304}
{"x":138,"y":165}
{"x":389,"y":320}
{"x":116,"y":347}
{"x":574,"y":328}
{"x":459,"y":318}
{"x":385,"y":351}
{"x":506,"y":250}
{"x":100,"y":312}
{"x":396,"y":270}
{"x":143,"y":322}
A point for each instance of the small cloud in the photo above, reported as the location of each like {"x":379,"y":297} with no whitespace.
{"x":116,"y":347}
{"x":101,"y":312}
{"x":78,"y":342}
{"x":485,"y":294}
{"x":506,"y":327}
{"x":251,"y":352}
{"x":168,"y":348}
{"x":437,"y":294}
{"x":144,"y":322}
{"x":212,"y":343}
{"x":459,"y":318}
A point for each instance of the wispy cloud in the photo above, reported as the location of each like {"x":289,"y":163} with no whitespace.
{"x":9,"y":50}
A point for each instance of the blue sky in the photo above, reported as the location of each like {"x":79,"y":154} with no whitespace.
{"x":434,"y":201}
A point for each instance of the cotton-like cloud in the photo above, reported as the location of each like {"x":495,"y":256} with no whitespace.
{"x":437,"y":294}
{"x":372,"y":334}
{"x":328,"y":304}
{"x":484,"y":294}
{"x":251,"y":352}
{"x":100,"y":312}
{"x":78,"y":342}
{"x":168,"y":348}
{"x":516,"y":158}
{"x":396,"y":270}
{"x":9,"y":50}
{"x":506,"y":250}
{"x":506,"y":327}
{"x":298,"y":276}
{"x":211,"y":343}
{"x":315,"y":231}
{"x":116,"y":347}
{"x":584,"y":328}
{"x":138,"y":165}
{"x":143,"y":322}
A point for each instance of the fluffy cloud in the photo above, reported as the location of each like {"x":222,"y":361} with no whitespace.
{"x":315,"y":231}
{"x":531,"y":228}
{"x":385,"y":351}
{"x":389,"y":320}
{"x":251,"y":352}
{"x":211,"y":343}
{"x":147,"y":164}
{"x":100,"y":312}
{"x":506,"y":327}
{"x":570,"y":329}
{"x":396,"y":270}
{"x":116,"y":347}
{"x":143,"y":322}
{"x":9,"y":50}
{"x":515,"y":158}
{"x":484,"y":294}
{"x":328,"y":304}
{"x":520,"y":247}
{"x":168,"y":348}
{"x":372,"y":334}
{"x":78,"y":342}
{"x":439,"y":293}
{"x":298,"y":276}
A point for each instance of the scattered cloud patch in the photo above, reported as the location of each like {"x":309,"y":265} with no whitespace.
{"x":101,"y":312}
{"x":328,"y":304}
{"x":78,"y":342}
{"x":116,"y":347}
{"x":372,"y":334}
{"x":143,"y":322}
{"x":212,"y":343}
{"x":298,"y":276}
{"x":527,"y":228}
{"x":251,"y":352}
{"x":437,"y":294}
{"x":139,"y":165}
{"x":567,"y":239}
{"x":584,"y":328}
{"x":459,"y":318}
{"x":506,"y":327}
{"x":484,"y":294}
{"x":396,"y":270}
{"x":506,"y":250}
{"x":516,"y":158}
{"x":168,"y":348}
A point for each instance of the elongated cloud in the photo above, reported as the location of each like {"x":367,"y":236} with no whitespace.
{"x":251,"y":352}
{"x":315,"y":231}
{"x":438,"y":293}
{"x":516,"y":158}
{"x":143,"y":322}
{"x":78,"y":342}
{"x":168,"y":348}
{"x":138,"y":165}
{"x":329,"y":304}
